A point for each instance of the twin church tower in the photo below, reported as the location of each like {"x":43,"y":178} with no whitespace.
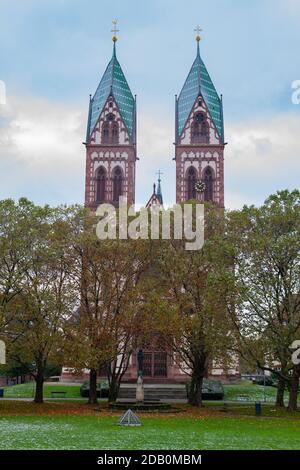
{"x":111,"y":140}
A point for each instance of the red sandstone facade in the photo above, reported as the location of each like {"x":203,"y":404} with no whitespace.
{"x":199,"y":156}
{"x":110,"y":159}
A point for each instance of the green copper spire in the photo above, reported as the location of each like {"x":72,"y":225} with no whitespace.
{"x":159,"y":191}
{"x":113,"y":83}
{"x":198,"y":83}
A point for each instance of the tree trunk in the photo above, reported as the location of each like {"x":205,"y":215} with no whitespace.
{"x":39,"y":385}
{"x":113,"y":391}
{"x":293,"y":398}
{"x":280,"y":392}
{"x":195,"y":394}
{"x":93,"y":387}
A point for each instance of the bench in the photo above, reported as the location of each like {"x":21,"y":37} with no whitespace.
{"x":60,"y":393}
{"x":242,"y":398}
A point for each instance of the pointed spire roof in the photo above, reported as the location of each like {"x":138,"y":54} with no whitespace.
{"x":198,"y":83}
{"x":157,"y":198}
{"x":113,"y":83}
{"x":159,"y":191}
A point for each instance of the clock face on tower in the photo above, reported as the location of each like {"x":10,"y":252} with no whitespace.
{"x":200,"y":186}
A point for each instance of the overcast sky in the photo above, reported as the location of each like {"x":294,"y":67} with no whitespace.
{"x":54,"y":52}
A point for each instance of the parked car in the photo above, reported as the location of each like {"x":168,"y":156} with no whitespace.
{"x":102,"y":390}
{"x":211,"y":389}
{"x":261,"y":380}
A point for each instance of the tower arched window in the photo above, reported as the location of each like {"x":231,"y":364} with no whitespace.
{"x":117,"y":184}
{"x":195,"y":132}
{"x":105,"y":133}
{"x":100,"y":184}
{"x":110,"y":130}
{"x":204,"y":132}
{"x":191,"y":183}
{"x":115,"y":133}
{"x":209,"y":184}
{"x":200,"y":130}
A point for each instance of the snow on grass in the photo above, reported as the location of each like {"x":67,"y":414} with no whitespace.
{"x":74,"y":432}
{"x":253,"y":392}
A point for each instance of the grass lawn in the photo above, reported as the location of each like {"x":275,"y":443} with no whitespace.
{"x":232,"y":392}
{"x":164,"y":432}
{"x":253,"y":392}
{"x":27,"y":390}
{"x":76,"y":425}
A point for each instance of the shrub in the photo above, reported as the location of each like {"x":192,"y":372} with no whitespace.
{"x":211,"y":389}
{"x":102,"y":389}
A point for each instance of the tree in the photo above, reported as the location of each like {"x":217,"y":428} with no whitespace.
{"x":196,"y":323}
{"x":266,"y":246}
{"x":109,"y":277}
{"x":46,"y":297}
{"x":13,"y":225}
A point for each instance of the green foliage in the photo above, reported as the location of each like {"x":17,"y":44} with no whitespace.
{"x":195,"y":282}
{"x":67,"y":296}
{"x":15,"y":369}
{"x":264,"y":300}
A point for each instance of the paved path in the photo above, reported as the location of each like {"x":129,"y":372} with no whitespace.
{"x":46,"y":399}
{"x":84,"y":400}
{"x":179,"y":401}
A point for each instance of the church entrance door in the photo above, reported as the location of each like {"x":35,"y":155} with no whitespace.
{"x":155,"y":364}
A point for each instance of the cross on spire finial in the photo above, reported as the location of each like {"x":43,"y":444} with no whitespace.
{"x":159,"y":173}
{"x":198,"y":30}
{"x":115,"y":31}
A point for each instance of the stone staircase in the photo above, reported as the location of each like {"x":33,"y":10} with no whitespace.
{"x":163,"y":392}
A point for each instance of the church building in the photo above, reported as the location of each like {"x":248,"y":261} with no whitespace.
{"x":111,"y":139}
{"x":199,"y":138}
{"x":111,"y":143}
